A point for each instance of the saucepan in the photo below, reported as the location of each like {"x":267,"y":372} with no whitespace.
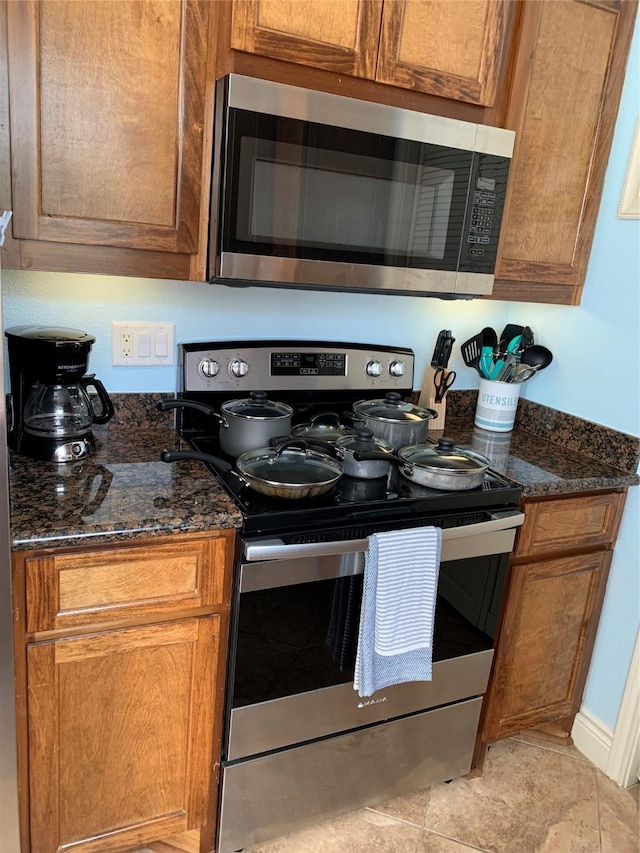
{"x":438,"y":466}
{"x":291,"y":469}
{"x":246,"y":424}
{"x":394,"y":420}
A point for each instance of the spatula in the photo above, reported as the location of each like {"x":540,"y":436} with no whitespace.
{"x":471,"y":351}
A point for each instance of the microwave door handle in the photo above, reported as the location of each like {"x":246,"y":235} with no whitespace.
{"x":276,"y":549}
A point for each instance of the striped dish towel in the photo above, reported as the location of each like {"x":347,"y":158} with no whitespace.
{"x":398,"y":606}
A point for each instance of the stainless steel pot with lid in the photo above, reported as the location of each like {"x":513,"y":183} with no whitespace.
{"x":439,"y":466}
{"x":364,"y":441}
{"x":394,"y":420}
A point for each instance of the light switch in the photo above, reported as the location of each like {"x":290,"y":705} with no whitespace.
{"x":162,"y":348}
{"x":143,"y":348}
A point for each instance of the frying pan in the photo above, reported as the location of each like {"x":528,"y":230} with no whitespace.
{"x":290,"y":470}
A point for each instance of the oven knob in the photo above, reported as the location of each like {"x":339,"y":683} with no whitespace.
{"x":374,"y":368}
{"x":209,"y":367}
{"x":396,"y":368}
{"x":238,"y":368}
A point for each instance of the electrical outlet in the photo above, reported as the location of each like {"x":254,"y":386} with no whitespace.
{"x":140,"y":344}
{"x":126,"y":345}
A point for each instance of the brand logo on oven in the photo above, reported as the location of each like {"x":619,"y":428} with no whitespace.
{"x":372,"y":702}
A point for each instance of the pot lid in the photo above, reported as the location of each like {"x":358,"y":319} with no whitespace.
{"x":256,"y":406}
{"x":444,"y":457}
{"x":393,"y":408}
{"x":291,"y":463}
{"x":325,"y":426}
{"x":364,"y":441}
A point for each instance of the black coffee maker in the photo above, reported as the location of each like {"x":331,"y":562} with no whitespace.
{"x":50,"y":409}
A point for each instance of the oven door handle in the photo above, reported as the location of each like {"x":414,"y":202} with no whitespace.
{"x":275,"y":549}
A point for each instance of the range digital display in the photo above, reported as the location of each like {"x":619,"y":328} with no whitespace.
{"x":308,"y":364}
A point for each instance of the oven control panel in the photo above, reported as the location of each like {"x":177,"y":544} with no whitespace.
{"x":294,"y":365}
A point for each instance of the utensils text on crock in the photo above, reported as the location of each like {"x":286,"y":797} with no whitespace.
{"x":442,"y":381}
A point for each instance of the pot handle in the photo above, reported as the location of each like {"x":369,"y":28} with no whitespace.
{"x":90,"y":381}
{"x":326,"y":417}
{"x":300,"y":443}
{"x":195,"y":455}
{"x":366,"y":455}
{"x":167,"y":405}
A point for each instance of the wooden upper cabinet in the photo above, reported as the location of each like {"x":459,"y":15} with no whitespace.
{"x":444,"y":48}
{"x":438,"y":47}
{"x":336,"y":35}
{"x":567,"y":85}
{"x":107,"y":106}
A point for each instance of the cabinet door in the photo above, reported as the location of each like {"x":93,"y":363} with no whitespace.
{"x":563,"y":105}
{"x":547,"y":636}
{"x":121,"y":735}
{"x":107,"y":117}
{"x":337,"y":35}
{"x":450,"y":49}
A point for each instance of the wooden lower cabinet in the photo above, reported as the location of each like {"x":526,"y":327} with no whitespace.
{"x":120,"y":707}
{"x":556,"y":587}
{"x":120,"y":735}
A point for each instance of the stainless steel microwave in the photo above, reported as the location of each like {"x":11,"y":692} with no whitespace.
{"x":313,"y":190}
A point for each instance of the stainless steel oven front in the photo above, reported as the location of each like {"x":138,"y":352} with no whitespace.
{"x":301,"y":745}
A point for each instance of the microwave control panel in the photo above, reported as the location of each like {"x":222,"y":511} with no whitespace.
{"x":484,"y":213}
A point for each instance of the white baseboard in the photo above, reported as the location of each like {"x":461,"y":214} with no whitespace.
{"x":615,"y":752}
{"x":592,"y":738}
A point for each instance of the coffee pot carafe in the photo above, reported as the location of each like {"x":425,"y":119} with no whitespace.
{"x":52,"y":411}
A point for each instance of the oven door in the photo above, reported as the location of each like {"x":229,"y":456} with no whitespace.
{"x":296,"y":636}
{"x":333,"y":192}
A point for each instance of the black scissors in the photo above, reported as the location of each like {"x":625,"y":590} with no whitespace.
{"x":443,"y":380}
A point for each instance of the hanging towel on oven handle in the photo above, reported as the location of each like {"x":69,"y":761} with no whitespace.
{"x":395,"y":637}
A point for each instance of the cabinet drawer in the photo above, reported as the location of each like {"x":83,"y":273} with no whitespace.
{"x":568,"y":524}
{"x":70,"y":589}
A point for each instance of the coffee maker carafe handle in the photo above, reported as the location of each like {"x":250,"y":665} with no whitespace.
{"x":89,"y":381}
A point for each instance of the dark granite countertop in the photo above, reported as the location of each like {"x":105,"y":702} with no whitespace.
{"x":124,"y":491}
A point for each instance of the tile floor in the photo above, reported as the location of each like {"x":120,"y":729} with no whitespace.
{"x":531,"y":798}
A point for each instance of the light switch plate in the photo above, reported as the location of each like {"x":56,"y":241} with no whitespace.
{"x":151,"y":344}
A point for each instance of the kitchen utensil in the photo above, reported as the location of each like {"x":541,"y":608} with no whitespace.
{"x":501,"y":364}
{"x":489,"y":344}
{"x":527,"y":338}
{"x":441,"y":466}
{"x":442,"y":381}
{"x":523,"y":372}
{"x":536,"y":356}
{"x":394,"y":420}
{"x":510,"y":331}
{"x":292,"y":470}
{"x":471,"y":351}
{"x":246,"y":424}
{"x":325,"y":426}
{"x":363,"y":442}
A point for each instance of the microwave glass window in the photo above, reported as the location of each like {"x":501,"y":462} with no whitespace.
{"x":306,"y":190}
